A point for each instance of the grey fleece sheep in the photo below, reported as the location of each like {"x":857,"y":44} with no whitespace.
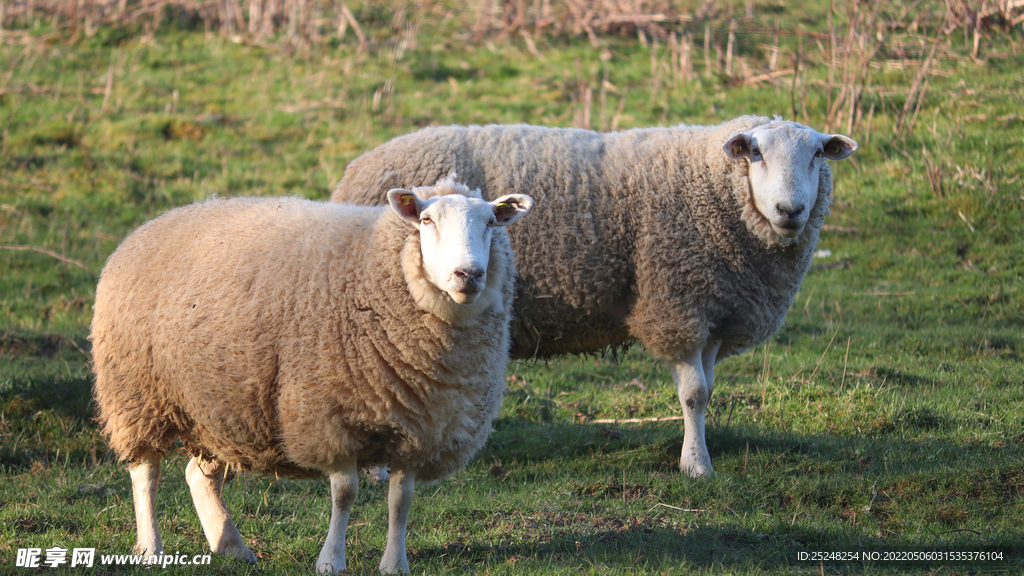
{"x":692,"y":239}
{"x":306,"y":339}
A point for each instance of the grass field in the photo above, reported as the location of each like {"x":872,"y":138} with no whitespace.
{"x":885,"y":416}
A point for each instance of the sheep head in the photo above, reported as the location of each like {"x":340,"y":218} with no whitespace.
{"x":785,"y":159}
{"x":455,"y":236}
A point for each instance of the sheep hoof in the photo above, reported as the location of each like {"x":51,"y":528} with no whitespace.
{"x":699,"y":470}
{"x":146,"y":552}
{"x":398,"y":568}
{"x":328,"y":568}
{"x":239,"y":551}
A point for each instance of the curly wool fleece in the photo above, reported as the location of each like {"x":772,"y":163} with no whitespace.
{"x":648,"y":234}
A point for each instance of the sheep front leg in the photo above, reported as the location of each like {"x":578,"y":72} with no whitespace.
{"x":403,"y":480}
{"x":694,"y":376}
{"x":344,"y":488}
{"x":205,"y":480}
{"x":145,"y":474}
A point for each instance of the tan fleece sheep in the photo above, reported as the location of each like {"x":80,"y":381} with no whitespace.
{"x":654,"y":234}
{"x":304,"y":339}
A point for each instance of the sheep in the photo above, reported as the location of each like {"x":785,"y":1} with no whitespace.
{"x":305,"y":339}
{"x":691,"y":239}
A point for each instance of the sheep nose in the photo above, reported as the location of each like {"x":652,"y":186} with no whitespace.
{"x":468,"y":280}
{"x":468,"y":274}
{"x":791,"y":213}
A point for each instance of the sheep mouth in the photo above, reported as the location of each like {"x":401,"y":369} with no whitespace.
{"x":788,"y":228}
{"x":465,"y":294}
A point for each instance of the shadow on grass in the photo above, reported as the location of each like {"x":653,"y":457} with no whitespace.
{"x":68,"y":395}
{"x":46,"y":402}
{"x":655,"y":447}
{"x":48,"y":419}
{"x":640,"y":543}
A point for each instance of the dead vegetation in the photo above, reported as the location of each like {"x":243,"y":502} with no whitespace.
{"x":676,"y":23}
{"x":688,"y":40}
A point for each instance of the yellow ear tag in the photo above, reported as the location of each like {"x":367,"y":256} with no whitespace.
{"x":736,"y":149}
{"x":406,"y":199}
{"x":502,"y":205}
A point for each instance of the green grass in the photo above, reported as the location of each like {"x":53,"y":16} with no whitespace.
{"x":886,"y":415}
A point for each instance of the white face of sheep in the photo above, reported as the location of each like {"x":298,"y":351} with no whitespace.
{"x":785,"y":158}
{"x":455,"y":236}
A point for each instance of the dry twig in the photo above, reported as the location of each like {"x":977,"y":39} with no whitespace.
{"x":659,"y":504}
{"x":46,"y":251}
{"x":637,"y":420}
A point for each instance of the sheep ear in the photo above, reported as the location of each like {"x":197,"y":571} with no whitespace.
{"x":737,"y":146}
{"x":510,"y":208}
{"x":405,"y":204}
{"x":837,"y":146}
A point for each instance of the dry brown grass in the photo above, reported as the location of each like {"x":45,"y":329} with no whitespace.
{"x":315,"y":20}
{"x":862,"y":37}
{"x":865,"y":26}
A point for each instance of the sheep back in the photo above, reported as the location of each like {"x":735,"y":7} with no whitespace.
{"x":571,"y":303}
{"x":279,"y":335}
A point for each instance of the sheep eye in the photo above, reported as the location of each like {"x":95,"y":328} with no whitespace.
{"x":492,"y":222}
{"x":755,"y":151}
{"x":818,"y":153}
{"x":426,"y":220}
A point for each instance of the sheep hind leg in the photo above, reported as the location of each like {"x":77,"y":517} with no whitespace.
{"x":145,"y":474}
{"x":694,"y":377}
{"x":344,"y":488}
{"x":403,"y":482}
{"x":205,"y":480}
